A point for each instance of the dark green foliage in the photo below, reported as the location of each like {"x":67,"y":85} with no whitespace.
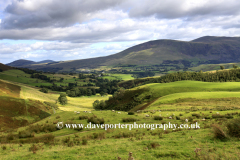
{"x":95,"y":120}
{"x":235,"y":66}
{"x":144,"y":74}
{"x":122,"y":100}
{"x":130,"y":113}
{"x":158,"y":118}
{"x":129,"y":119}
{"x":234,"y":128}
{"x":222,"y":67}
{"x":217,"y":116}
{"x":232,"y":75}
{"x":4,"y":147}
{"x":43,"y":114}
{"x":44,"y":90}
{"x":228,"y":116}
{"x":62,"y":99}
{"x":178,"y":118}
{"x":83,"y":117}
{"x":196,"y":115}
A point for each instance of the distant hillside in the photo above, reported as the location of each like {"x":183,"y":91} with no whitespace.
{"x":207,"y":49}
{"x":46,"y":61}
{"x":23,"y":62}
{"x":4,"y":67}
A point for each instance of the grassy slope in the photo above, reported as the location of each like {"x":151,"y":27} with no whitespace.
{"x":15,"y":111}
{"x":173,"y":145}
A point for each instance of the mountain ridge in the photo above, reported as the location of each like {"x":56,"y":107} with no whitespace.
{"x":155,"y":52}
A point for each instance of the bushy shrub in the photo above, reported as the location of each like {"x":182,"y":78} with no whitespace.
{"x":130,"y":113}
{"x":33,"y":148}
{"x":44,"y":90}
{"x":234,"y":128}
{"x":84,"y":141}
{"x":228,"y":116}
{"x":83,"y":117}
{"x":25,"y":134}
{"x":158,"y":118}
{"x":129,"y":119}
{"x":217,"y":116}
{"x":153,"y":145}
{"x":190,"y":119}
{"x":4,"y":147}
{"x":218,"y":132}
{"x":196,"y":115}
{"x":178,"y":118}
{"x":99,"y":135}
{"x":95,"y":120}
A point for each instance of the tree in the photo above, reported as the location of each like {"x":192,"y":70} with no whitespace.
{"x":235,"y":66}
{"x":62,"y":99}
{"x":222,"y":67}
{"x":89,"y":92}
{"x":44,"y":90}
{"x":102,"y":93}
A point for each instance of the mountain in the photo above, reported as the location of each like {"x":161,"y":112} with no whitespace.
{"x":46,"y":61}
{"x":206,"y":49}
{"x":24,"y":63}
{"x":21,"y":62}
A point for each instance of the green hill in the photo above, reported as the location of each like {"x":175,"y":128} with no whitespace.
{"x":4,"y":67}
{"x":15,"y":111}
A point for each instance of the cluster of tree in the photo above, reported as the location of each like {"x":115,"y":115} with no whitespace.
{"x":123,"y":100}
{"x":107,"y":86}
{"x":40,"y":76}
{"x":55,"y":87}
{"x":232,"y":75}
{"x":29,"y":71}
{"x":144,"y":74}
{"x":77,"y":92}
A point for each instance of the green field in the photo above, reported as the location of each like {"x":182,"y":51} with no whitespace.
{"x":176,"y":99}
{"x":119,"y":77}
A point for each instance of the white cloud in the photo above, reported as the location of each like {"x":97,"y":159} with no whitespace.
{"x":66,"y":28}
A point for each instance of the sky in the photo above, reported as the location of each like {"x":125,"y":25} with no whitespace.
{"x":62,"y":30}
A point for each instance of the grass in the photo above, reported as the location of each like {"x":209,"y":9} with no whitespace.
{"x":119,"y":77}
{"x":174,"y":99}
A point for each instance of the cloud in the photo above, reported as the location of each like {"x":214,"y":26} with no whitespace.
{"x":171,"y":9}
{"x":71,"y":29}
{"x":52,"y":13}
